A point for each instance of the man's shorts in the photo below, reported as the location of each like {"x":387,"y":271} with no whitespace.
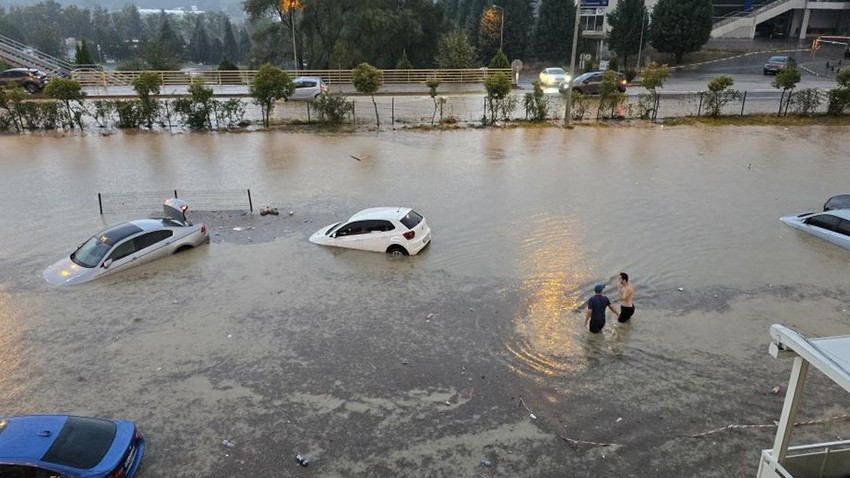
{"x":596,"y":327}
{"x":626,"y":313}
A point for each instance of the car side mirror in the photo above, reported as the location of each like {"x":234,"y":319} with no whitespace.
{"x":333,"y":235}
{"x":107,"y":263}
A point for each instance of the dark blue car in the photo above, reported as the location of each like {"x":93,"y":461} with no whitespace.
{"x":61,"y":446}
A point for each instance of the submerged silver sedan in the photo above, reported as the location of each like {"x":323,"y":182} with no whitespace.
{"x":832,"y":226}
{"x":130,"y":244}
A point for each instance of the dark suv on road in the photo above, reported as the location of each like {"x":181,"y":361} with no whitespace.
{"x":775,"y":64}
{"x":29,"y":79}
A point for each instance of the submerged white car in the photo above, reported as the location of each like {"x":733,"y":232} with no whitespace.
{"x":130,"y":244}
{"x":832,"y":226}
{"x":394,"y":230}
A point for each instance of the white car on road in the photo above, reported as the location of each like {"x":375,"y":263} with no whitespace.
{"x":307,"y":88}
{"x":129,"y":244}
{"x":394,"y":230}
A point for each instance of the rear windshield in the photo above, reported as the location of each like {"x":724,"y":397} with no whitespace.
{"x":411,"y":219}
{"x":82,"y":443}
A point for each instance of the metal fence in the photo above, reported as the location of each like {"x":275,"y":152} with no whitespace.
{"x":105,"y":78}
{"x":200,"y":200}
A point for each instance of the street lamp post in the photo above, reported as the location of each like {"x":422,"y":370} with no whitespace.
{"x":502,"y":28}
{"x":640,"y":45}
{"x":569,"y":113}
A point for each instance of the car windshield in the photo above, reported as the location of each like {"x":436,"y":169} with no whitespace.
{"x":92,"y":251}
{"x":556,"y":71}
{"x":777,"y":59}
{"x":411,"y":219}
{"x":331,"y":229}
{"x":82,"y":442}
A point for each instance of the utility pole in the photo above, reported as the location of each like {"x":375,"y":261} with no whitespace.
{"x":640,"y":46}
{"x":569,"y":113}
{"x":502,"y":28}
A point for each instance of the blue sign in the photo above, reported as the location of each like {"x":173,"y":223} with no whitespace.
{"x":594,"y":3}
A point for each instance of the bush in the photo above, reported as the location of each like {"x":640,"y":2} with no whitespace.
{"x":500,"y":60}
{"x":805,"y":102}
{"x":535,"y":104}
{"x":719,"y":94}
{"x":498,"y":88}
{"x":129,"y":113}
{"x":333,"y":109}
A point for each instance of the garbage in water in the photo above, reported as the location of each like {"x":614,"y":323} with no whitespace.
{"x":486,"y":462}
{"x":302,"y":460}
{"x":228,"y":443}
{"x":775,"y":390}
{"x":269,"y":210}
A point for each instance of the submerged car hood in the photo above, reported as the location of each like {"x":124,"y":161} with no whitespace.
{"x":320,"y":236}
{"x":66,"y":272}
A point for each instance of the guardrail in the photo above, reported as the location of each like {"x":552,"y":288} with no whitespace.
{"x":26,"y":56}
{"x":90,"y":77}
{"x":755,"y":10}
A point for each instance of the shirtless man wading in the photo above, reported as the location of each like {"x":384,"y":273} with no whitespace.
{"x":627,"y":298}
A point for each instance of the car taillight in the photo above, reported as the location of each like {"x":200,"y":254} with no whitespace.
{"x":409,"y":235}
{"x":203,"y":231}
{"x":119,"y":473}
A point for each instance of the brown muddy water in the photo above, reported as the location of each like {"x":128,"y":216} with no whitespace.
{"x":285,"y":347}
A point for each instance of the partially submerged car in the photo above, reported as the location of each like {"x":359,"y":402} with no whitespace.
{"x":394,"y":230}
{"x":832,"y":226}
{"x":53,"y":446}
{"x":129,"y":244}
{"x":841,"y":201}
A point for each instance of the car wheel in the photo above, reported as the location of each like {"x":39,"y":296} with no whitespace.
{"x":397,"y":251}
{"x":31,"y":88}
{"x":182,"y":248}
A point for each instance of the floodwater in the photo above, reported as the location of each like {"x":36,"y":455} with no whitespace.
{"x":373,"y":365}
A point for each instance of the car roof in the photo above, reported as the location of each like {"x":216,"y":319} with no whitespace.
{"x":554,"y":69}
{"x":380,"y":213}
{"x":842,"y":213}
{"x":20,"y":439}
{"x":149,"y":224}
{"x":314,"y":78}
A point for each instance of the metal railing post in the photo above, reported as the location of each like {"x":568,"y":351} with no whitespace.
{"x":100,"y":203}
{"x":250,"y":203}
{"x":743,"y":103}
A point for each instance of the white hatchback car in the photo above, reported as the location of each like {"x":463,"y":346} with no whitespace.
{"x":832,"y":226}
{"x":308,"y":88}
{"x":129,"y":244}
{"x":394,"y":230}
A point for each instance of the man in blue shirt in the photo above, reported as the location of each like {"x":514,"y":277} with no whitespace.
{"x":596,"y":305}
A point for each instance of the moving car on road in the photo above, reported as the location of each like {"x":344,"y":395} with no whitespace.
{"x":775,"y":64}
{"x":130,"y":244}
{"x":832,"y":226}
{"x":589,"y":83}
{"x":29,"y":79}
{"x":394,"y":230}
{"x":308,"y":88}
{"x":553,"y":76}
{"x":61,"y":446}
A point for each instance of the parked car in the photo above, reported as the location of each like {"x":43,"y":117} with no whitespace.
{"x":553,"y":76}
{"x":29,"y":79}
{"x":775,"y":64}
{"x":841,"y":201}
{"x":589,"y":83}
{"x":394,"y":230}
{"x":62,"y":446}
{"x":832,"y":226}
{"x":129,"y":244}
{"x":308,"y":88}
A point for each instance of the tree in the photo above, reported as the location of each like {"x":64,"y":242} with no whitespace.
{"x":786,"y":80}
{"x":199,"y":47}
{"x":719,"y":93}
{"x":269,"y":85}
{"x":839,"y":97}
{"x":554,"y":30}
{"x":499,"y":60}
{"x":628,"y":28}
{"x":403,"y":63}
{"x":652,"y":78}
{"x":67,"y":90}
{"x":284,"y":11}
{"x":498,"y":88}
{"x":230,"y":49}
{"x":147,"y":85}
{"x":680,"y":26}
{"x":82,"y":55}
{"x":367,"y":79}
{"x":433,"y":83}
{"x":455,"y":51}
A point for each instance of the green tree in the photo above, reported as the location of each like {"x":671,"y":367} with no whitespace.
{"x":284,"y":11}
{"x":455,"y":51}
{"x":498,"y":88}
{"x":227,"y":65}
{"x":499,"y":60}
{"x":147,"y":86}
{"x":199,"y":47}
{"x":82,"y":55}
{"x":403,"y":62}
{"x":433,"y":83}
{"x":12,"y":98}
{"x":269,"y":85}
{"x":68,"y":90}
{"x":553,"y":32}
{"x":680,"y":26}
{"x":367,"y":79}
{"x":629,"y":28}
{"x":786,"y":80}
{"x":609,"y":94}
{"x":719,"y":93}
{"x":535,"y":103}
{"x":652,"y":78}
{"x":839,"y":97}
{"x":230,"y":48}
